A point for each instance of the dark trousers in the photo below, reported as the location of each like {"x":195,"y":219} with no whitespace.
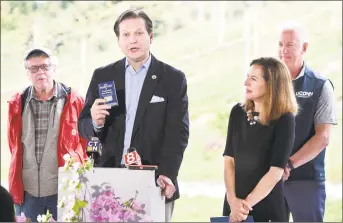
{"x":34,"y":206}
{"x":305,"y":199}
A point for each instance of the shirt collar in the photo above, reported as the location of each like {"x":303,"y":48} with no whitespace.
{"x":302,"y":71}
{"x":58,"y":92}
{"x":145,"y":65}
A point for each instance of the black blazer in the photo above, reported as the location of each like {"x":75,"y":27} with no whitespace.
{"x":161,"y":130}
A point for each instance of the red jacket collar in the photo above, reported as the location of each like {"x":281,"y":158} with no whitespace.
{"x":15,"y":101}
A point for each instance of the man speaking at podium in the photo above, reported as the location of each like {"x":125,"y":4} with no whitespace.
{"x":139,"y":102}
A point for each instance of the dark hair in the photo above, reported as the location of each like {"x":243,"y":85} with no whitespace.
{"x":7,"y":213}
{"x":132,"y":14}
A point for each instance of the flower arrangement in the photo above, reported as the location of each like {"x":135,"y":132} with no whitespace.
{"x":73,"y":205}
{"x":22,"y":218}
{"x":40,"y":218}
{"x":107,"y":207}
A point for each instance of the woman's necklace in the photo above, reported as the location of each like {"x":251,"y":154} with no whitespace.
{"x":252,"y":117}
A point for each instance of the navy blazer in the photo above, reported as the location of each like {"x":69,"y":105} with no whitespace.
{"x":161,"y":130}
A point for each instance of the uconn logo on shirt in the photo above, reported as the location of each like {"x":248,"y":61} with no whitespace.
{"x":303,"y":94}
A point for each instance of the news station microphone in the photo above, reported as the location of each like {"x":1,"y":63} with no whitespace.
{"x":132,"y":157}
{"x":94,"y":149}
{"x":133,"y":161}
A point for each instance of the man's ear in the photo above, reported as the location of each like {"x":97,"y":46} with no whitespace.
{"x":304,"y":48}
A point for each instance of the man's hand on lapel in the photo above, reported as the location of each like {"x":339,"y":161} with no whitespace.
{"x":168,"y":188}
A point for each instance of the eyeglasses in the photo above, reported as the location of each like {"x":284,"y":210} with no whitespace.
{"x":44,"y":67}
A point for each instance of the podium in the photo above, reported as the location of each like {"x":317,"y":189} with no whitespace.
{"x":120,"y":183}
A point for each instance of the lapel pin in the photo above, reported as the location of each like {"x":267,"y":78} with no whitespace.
{"x":153,"y":77}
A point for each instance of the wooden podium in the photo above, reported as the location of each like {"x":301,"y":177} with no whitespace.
{"x":125,"y":183}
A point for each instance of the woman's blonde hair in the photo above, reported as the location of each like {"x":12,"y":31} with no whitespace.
{"x":279,"y":97}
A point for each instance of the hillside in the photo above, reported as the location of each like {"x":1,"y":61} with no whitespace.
{"x":212,"y":42}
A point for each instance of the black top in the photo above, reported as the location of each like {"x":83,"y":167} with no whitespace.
{"x":255,"y":148}
{"x":6,"y":206}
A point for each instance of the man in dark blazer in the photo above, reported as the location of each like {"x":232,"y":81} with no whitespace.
{"x":152,"y":111}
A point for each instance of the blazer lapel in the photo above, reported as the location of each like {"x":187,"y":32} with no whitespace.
{"x":117,"y":74}
{"x":148,"y":87}
{"x":118,"y":113}
{"x":119,"y":81}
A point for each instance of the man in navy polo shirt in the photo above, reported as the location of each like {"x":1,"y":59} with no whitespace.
{"x":305,"y":173}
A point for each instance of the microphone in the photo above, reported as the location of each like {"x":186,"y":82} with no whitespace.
{"x":133,"y":161}
{"x":94,"y":148}
{"x":132,"y":157}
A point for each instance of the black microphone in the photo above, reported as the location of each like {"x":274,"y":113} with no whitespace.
{"x":94,"y":149}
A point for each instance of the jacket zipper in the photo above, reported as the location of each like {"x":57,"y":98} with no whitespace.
{"x":38,"y":179}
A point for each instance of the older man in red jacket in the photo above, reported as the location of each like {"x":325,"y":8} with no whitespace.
{"x":42,"y":128}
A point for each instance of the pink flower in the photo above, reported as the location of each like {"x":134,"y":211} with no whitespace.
{"x":114,"y":218}
{"x":129,"y":215}
{"x":108,"y":193}
{"x":108,"y":208}
{"x":99,"y":219}
{"x":136,"y":206}
{"x":21,"y":218}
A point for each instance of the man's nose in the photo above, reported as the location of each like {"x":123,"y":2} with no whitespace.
{"x":283,"y":49}
{"x":40,"y":70}
{"x":133,"y":39}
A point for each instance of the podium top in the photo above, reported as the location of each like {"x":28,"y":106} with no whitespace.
{"x":125,"y":175}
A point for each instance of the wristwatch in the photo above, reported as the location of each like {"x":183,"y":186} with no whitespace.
{"x":290,"y":165}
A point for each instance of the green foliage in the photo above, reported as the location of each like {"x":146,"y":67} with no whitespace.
{"x":221,"y":122}
{"x":65,"y":4}
{"x":22,"y":7}
{"x":79,"y":204}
